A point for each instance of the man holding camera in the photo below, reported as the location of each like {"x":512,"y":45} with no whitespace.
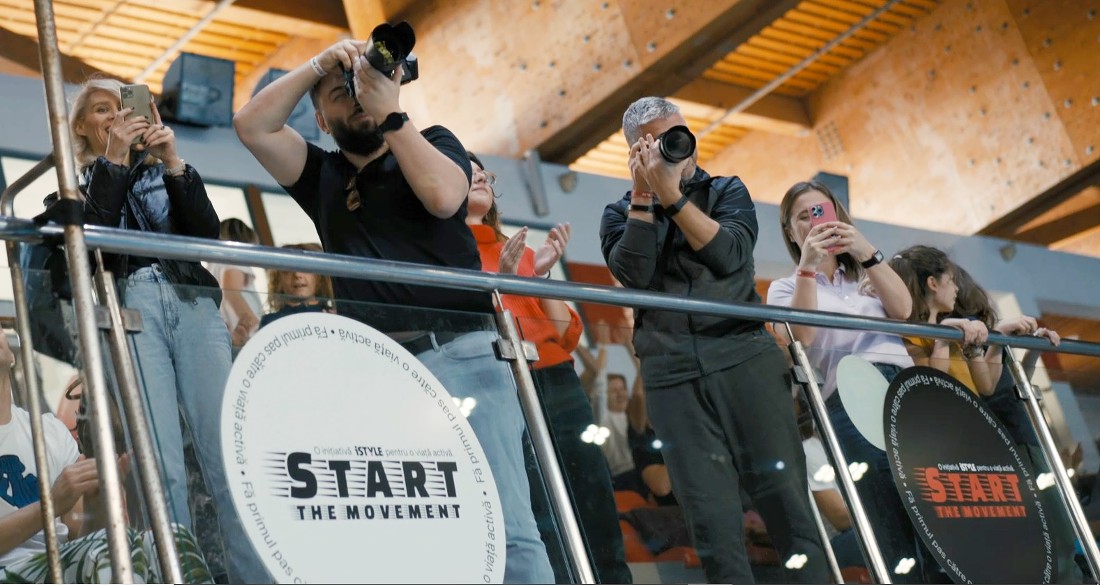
{"x":718,"y":388}
{"x":395,"y":193}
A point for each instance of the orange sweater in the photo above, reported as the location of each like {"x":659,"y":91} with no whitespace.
{"x":533,"y":323}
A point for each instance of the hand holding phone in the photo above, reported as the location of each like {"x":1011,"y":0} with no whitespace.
{"x":823,"y":212}
{"x":138,"y":98}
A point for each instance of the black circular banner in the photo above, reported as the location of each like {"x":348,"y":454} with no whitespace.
{"x":964,"y":484}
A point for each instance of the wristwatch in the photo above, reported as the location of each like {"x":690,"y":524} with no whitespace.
{"x":393,"y":121}
{"x":873,"y":260}
{"x":675,"y":208}
{"x":643,"y":208}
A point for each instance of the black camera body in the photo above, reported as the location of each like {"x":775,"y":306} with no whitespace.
{"x":389,"y":46}
{"x":676,"y":144}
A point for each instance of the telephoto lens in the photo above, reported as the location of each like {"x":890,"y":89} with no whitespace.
{"x":389,"y":46}
{"x":676,"y":143}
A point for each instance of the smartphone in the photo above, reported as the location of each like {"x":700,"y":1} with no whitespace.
{"x":823,"y":212}
{"x":138,"y":98}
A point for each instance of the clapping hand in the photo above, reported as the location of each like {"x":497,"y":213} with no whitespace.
{"x":552,"y":249}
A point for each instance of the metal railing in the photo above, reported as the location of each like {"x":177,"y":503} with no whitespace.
{"x":188,"y":248}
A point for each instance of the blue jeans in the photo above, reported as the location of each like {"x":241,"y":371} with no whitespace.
{"x":468,"y":367}
{"x":183,"y":361}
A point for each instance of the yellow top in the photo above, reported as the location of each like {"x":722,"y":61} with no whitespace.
{"x":958,"y":367}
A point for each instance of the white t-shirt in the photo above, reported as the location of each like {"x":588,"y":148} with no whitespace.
{"x":251,"y":297}
{"x":617,"y":446}
{"x":838,"y":295}
{"x":18,"y":475}
{"x":819,"y":471}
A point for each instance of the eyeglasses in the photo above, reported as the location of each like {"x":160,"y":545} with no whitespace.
{"x":490,"y":177}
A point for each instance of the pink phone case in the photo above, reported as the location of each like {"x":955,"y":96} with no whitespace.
{"x":823,"y":213}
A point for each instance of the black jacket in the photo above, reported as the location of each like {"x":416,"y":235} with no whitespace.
{"x":142,"y":197}
{"x":676,"y":347}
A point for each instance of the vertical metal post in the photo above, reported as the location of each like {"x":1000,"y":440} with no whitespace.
{"x":863,"y":528}
{"x":32,"y":394}
{"x":1046,"y":440}
{"x":544,"y":452}
{"x":80,"y":276}
{"x":32,"y":397}
{"x":134,"y":409}
{"x":826,"y":544}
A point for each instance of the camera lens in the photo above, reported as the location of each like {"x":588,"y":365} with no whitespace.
{"x":389,"y":45}
{"x":676,"y":143}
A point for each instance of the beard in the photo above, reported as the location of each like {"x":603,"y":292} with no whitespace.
{"x":361,"y":142}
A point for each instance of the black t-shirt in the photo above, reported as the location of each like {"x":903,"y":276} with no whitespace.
{"x":1010,"y":410}
{"x":289,"y":310}
{"x":390,"y":224}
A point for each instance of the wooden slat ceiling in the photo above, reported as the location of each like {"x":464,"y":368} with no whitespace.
{"x":123,"y":37}
{"x":766,"y":56}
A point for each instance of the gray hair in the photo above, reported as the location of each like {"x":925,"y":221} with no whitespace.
{"x":644,"y":111}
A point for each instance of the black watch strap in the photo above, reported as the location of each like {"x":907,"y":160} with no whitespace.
{"x":874,"y":260}
{"x":393,"y":121}
{"x":643,"y":208}
{"x":675,"y":208}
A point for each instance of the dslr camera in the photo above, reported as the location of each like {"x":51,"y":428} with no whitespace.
{"x":676,"y":144}
{"x":389,"y":46}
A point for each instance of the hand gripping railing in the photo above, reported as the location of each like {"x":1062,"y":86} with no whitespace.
{"x":186,"y":248}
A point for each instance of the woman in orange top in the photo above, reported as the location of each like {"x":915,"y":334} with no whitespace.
{"x":555,"y":329}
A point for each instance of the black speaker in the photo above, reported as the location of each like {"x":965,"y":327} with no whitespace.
{"x":198,"y":90}
{"x":838,"y":184}
{"x":301,"y":119}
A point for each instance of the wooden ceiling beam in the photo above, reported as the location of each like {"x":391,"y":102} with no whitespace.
{"x":315,"y":18}
{"x":1081,"y":238}
{"x":363,"y":16}
{"x":774,"y":113}
{"x":23,"y":51}
{"x":1008,"y":225}
{"x":1060,"y":230}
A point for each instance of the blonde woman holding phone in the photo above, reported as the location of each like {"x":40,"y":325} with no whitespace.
{"x":134,"y":178}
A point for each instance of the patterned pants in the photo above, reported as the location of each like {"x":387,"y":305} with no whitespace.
{"x":88,"y":560}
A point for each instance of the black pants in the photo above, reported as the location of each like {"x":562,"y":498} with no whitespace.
{"x":569,"y":413}
{"x":730,"y":430}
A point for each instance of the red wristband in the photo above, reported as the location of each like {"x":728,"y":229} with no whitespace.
{"x":807,"y":274}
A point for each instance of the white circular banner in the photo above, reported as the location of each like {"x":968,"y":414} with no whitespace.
{"x":349,"y":462}
{"x":863,"y":392}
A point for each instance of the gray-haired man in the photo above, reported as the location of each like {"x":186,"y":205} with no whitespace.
{"x":718,"y":388}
